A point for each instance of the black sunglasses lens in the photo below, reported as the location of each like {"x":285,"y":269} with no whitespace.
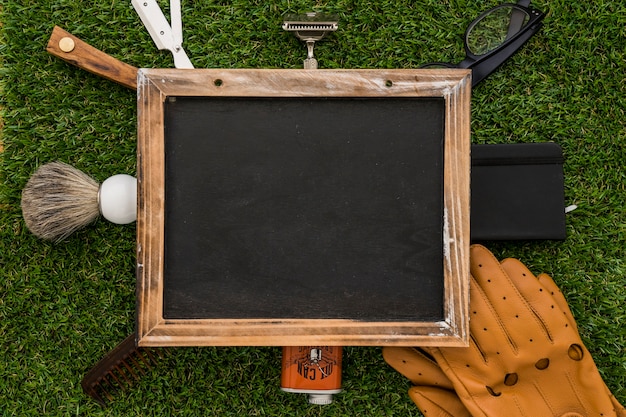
{"x":494,"y":28}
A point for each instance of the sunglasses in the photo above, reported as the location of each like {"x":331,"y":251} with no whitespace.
{"x":495,"y":36}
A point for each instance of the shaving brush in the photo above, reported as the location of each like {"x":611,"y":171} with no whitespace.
{"x":60,"y":199}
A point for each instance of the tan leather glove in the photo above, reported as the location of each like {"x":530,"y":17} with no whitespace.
{"x":432,"y":390}
{"x":525,"y":356}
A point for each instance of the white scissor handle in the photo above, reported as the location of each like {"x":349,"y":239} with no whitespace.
{"x":164,"y":36}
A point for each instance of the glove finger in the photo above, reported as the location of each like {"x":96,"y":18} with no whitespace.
{"x":433,"y":393}
{"x":510,"y":319}
{"x":558,"y":296}
{"x":438,"y":402}
{"x":415,"y":365}
{"x":544,"y":300}
{"x":547,"y":281}
{"x":514,"y":267}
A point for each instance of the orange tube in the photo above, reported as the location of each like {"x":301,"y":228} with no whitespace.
{"x":313,"y":370}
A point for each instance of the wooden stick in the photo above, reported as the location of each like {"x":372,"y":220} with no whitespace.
{"x":71,"y":49}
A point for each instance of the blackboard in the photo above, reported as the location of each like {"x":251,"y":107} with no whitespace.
{"x":304,"y":208}
{"x":260,"y":212}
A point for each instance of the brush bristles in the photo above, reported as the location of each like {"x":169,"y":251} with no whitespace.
{"x":59,"y":200}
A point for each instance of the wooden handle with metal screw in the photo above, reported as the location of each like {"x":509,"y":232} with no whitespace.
{"x":71,"y":49}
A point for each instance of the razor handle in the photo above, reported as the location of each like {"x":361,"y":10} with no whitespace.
{"x":71,"y":49}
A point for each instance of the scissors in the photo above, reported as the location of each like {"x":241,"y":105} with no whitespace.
{"x":164,"y":36}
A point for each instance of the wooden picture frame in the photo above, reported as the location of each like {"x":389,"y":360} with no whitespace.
{"x":167,"y":103}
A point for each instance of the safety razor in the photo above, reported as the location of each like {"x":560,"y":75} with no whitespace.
{"x":310,"y":28}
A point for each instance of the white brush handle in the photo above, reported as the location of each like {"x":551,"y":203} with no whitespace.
{"x":117,"y":199}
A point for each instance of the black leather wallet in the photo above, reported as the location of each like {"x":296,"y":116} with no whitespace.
{"x":517,"y":192}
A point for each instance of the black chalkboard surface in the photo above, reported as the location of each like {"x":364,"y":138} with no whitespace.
{"x":304,"y":208}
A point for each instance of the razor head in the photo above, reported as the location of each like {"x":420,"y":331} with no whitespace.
{"x":310,"y":28}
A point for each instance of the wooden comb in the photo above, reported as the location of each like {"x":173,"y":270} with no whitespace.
{"x":118,"y":369}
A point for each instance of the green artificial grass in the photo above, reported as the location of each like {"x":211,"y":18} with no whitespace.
{"x":63,"y":306}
